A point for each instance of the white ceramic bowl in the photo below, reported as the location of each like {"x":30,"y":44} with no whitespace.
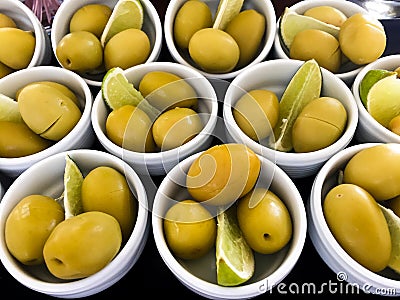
{"x":46,"y":178}
{"x":275,"y":75}
{"x":368,"y":129}
{"x":158,"y":163}
{"x":81,"y":136}
{"x":200,"y":275}
{"x":349,"y":70}
{"x":346,"y":268}
{"x":27,"y":20}
{"x":151,"y":26}
{"x":265,"y":7}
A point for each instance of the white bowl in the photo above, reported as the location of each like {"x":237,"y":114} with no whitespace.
{"x":275,"y":75}
{"x":46,"y":178}
{"x":158,"y":163}
{"x":265,"y":7}
{"x":368,"y":129}
{"x":27,"y":20}
{"x":151,"y":26}
{"x":81,"y":136}
{"x":348,"y":71}
{"x":199,"y":275}
{"x":346,"y":268}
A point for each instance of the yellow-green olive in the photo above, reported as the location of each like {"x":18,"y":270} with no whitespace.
{"x":17,"y":140}
{"x":166,"y":90}
{"x":394,"y":125}
{"x":175,"y":127}
{"x":91,"y":17}
{"x":376,"y":169}
{"x":362,"y":38}
{"x":17,"y":47}
{"x":191,"y":17}
{"x":319,"y":45}
{"x":6,"y":21}
{"x":327,"y":14}
{"x":256,"y":113}
{"x":214,"y":50}
{"x":319,"y":124}
{"x":247,"y":28}
{"x":47,"y":111}
{"x":5,"y":70}
{"x":359,"y":226}
{"x":130,"y":127}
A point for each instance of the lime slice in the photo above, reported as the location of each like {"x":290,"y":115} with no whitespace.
{"x":234,"y":258}
{"x":370,"y":78}
{"x":292,"y":23}
{"x":226,"y":11}
{"x":393,"y":222}
{"x":117,"y":91}
{"x":303,"y":87}
{"x":383,"y":99}
{"x":126,"y":14}
{"x":9,"y":110}
{"x":73,"y":179}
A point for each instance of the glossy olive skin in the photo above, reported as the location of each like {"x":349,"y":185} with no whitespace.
{"x":317,"y":44}
{"x":29,"y":225}
{"x":166,"y":90}
{"x":256,"y":113}
{"x":176,"y":127}
{"x":17,"y":140}
{"x":48,"y":111}
{"x":394,"y":125}
{"x":362,"y":38}
{"x":359,"y":226}
{"x":264,"y":220}
{"x":82,"y":245}
{"x":190,"y":230}
{"x":130,"y":127}
{"x":320,"y":124}
{"x":327,"y":14}
{"x":223,"y":173}
{"x":80,"y":51}
{"x":376,"y":170}
{"x":126,"y":49}
{"x":105,"y":189}
{"x":6,"y":21}
{"x":90,"y":17}
{"x":247,"y":28}
{"x":191,"y":17}
{"x":17,"y":47}
{"x":214,"y":50}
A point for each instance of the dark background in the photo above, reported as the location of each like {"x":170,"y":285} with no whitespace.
{"x":151,"y":277}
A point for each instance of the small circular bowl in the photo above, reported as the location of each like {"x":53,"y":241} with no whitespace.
{"x":323,"y":240}
{"x":200,"y":275}
{"x":368,"y":129}
{"x":275,"y":76}
{"x":27,"y":20}
{"x":265,"y":7}
{"x":158,"y":163}
{"x":81,"y":136}
{"x":46,"y":178}
{"x":151,"y":26}
{"x":348,"y":71}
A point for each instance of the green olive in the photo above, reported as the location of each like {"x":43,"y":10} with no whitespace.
{"x":376,"y":170}
{"x":6,"y":21}
{"x":17,"y":140}
{"x":175,"y":127}
{"x":130,"y":127}
{"x":319,"y":124}
{"x":247,"y":28}
{"x":28,"y":226}
{"x":327,"y":14}
{"x":359,"y":226}
{"x":319,"y":45}
{"x":191,"y":17}
{"x":90,"y":17}
{"x":5,"y":70}
{"x":166,"y":90}
{"x":362,"y":38}
{"x":394,"y":125}
{"x":17,"y":47}
{"x":256,"y":113}
{"x":190,"y":230}
{"x":264,"y":220}
{"x":214,"y":50}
